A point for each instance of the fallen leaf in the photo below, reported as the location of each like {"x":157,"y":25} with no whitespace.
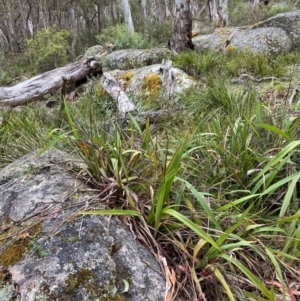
{"x":126,"y":286}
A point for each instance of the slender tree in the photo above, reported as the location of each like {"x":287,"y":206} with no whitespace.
{"x":127,"y":15}
{"x":223,"y":12}
{"x":181,"y":38}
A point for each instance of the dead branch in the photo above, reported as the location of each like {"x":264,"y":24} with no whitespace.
{"x":111,"y":86}
{"x":45,"y":83}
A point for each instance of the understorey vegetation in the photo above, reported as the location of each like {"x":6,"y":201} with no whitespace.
{"x":214,"y":189}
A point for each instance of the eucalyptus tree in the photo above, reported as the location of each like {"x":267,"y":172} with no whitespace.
{"x":127,"y":15}
{"x":181,"y":38}
{"x":218,"y":12}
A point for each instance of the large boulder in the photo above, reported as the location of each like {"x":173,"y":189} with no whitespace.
{"x":259,"y":40}
{"x":48,"y":252}
{"x":289,"y":22}
{"x":133,"y":58}
{"x":150,"y":81}
{"x":279,"y":34}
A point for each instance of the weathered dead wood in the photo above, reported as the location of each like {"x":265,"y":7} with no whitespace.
{"x":168,"y":79}
{"x":111,"y":86}
{"x":45,"y":83}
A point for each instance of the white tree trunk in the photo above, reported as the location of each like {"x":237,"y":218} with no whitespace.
{"x":143,"y":10}
{"x":213,"y":12}
{"x":127,"y":15}
{"x":74,"y":31}
{"x":223,"y":12}
{"x":181,"y":38}
{"x":160,"y":10}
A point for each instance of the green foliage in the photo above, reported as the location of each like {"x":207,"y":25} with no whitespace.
{"x":159,"y":33}
{"x":242,"y":13}
{"x":49,"y":49}
{"x":122,"y":38}
{"x":278,"y":8}
{"x":232,"y":64}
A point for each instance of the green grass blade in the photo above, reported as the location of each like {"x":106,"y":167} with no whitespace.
{"x":275,"y":130}
{"x":221,"y":278}
{"x":187,"y":222}
{"x":110,"y":212}
{"x":257,"y":282}
{"x":202,"y":203}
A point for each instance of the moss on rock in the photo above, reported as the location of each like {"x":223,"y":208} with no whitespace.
{"x":151,"y":85}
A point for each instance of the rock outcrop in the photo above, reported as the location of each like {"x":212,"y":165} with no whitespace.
{"x":279,"y":34}
{"x":48,"y":252}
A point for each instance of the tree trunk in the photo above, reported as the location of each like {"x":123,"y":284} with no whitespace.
{"x":223,"y":12}
{"x":143,"y":11}
{"x":160,"y":11}
{"x":181,"y":38}
{"x":218,"y":12}
{"x":74,"y":31}
{"x":127,"y":15}
{"x":213,"y":12}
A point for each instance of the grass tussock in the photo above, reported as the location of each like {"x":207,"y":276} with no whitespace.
{"x":214,"y":191}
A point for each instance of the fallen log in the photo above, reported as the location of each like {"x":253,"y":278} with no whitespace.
{"x":48,"y":82}
{"x":111,"y":86}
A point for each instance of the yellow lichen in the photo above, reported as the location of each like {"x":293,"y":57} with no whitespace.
{"x":127,"y":78}
{"x":78,"y":279}
{"x":16,"y":251}
{"x":151,"y":84}
{"x":99,"y":90}
{"x":223,"y":30}
{"x":230,"y":48}
{"x":195,"y":34}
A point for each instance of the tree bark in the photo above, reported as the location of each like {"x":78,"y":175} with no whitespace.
{"x":45,"y":83}
{"x":213,"y":11}
{"x":223,"y":12}
{"x":143,"y":11}
{"x":127,"y":15}
{"x":74,"y":30}
{"x":181,"y":38}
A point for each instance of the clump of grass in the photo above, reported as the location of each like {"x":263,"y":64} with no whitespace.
{"x":23,"y":131}
{"x":233,"y":64}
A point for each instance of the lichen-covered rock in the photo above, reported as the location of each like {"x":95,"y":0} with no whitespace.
{"x":94,"y":51}
{"x":289,"y":22}
{"x":262,"y":40}
{"x":149,"y":81}
{"x":279,"y":34}
{"x":213,"y":41}
{"x":49,"y":253}
{"x":259,"y":40}
{"x":134,"y":58}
